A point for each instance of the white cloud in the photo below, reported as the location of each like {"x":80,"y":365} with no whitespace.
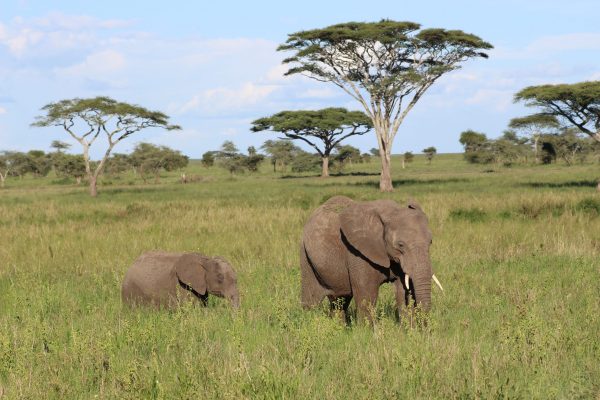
{"x":2,"y":110}
{"x":54,"y":32}
{"x":96,"y":65}
{"x":224,"y":98}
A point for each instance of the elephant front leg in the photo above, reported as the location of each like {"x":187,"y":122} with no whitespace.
{"x":403,"y":301}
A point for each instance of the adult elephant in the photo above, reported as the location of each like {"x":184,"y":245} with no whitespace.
{"x":350,"y":248}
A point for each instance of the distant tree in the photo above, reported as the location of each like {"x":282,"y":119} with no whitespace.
{"x":306,"y":162}
{"x":252,"y":151}
{"x":208,"y":159}
{"x":429,"y":152}
{"x":40,"y":163}
{"x":8,"y":161}
{"x":59,"y":146}
{"x":345,"y":155}
{"x":149,"y":160}
{"x":472,"y":140}
{"x":575,"y":104}
{"x":69,"y":166}
{"x":252,"y":161}
{"x":534,"y":126}
{"x":386,"y":66}
{"x":19,"y":163}
{"x":281,"y":152}
{"x":118,"y":163}
{"x":477,"y":147}
{"x":97,"y":116}
{"x":567,"y":145}
{"x":228,"y":157}
{"x":407,"y":157}
{"x":374,"y":152}
{"x":329,"y":126}
{"x":366,"y":158}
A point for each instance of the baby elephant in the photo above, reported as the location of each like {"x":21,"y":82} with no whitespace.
{"x":165,"y":279}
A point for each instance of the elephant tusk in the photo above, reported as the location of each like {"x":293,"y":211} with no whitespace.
{"x":437,"y":282}
{"x":406,"y":282}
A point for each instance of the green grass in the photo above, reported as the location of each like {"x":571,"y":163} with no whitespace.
{"x":517,"y":251}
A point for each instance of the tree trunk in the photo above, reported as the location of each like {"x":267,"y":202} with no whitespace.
{"x":93,"y":186}
{"x":385,"y":180}
{"x":325,"y":167}
{"x":536,"y":138}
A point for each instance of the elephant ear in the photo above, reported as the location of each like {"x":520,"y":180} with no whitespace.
{"x":363,"y":228}
{"x":190,"y":271}
{"x":412,"y":204}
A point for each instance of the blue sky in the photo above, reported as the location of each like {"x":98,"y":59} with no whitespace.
{"x":212,"y":66}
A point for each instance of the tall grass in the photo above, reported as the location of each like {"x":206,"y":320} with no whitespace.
{"x":517,"y":250}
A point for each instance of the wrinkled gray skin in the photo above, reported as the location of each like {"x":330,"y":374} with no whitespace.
{"x":166,"y":279}
{"x":350,"y":248}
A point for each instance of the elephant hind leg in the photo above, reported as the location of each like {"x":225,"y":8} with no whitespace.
{"x":312,"y":291}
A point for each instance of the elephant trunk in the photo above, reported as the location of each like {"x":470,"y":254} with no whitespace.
{"x":234,"y":299}
{"x":422,"y":283}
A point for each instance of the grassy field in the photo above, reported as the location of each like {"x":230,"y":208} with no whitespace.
{"x":517,"y":250}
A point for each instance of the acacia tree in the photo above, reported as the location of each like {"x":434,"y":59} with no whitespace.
{"x":535,"y":126}
{"x":7,"y":163}
{"x":329,"y":126}
{"x":577,"y":104}
{"x":429,"y":152}
{"x":87,"y":119}
{"x":386,"y":66}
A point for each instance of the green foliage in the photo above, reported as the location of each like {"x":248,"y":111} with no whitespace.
{"x":374,"y":152}
{"x":234,"y":162}
{"x":576,"y":104}
{"x":408,"y":157}
{"x":281,"y":152}
{"x":567,"y":145}
{"x":59,"y":146}
{"x":306,"y":162}
{"x":149,"y":159}
{"x":86,"y":119}
{"x":68,"y":165}
{"x":118,"y":163}
{"x":329,"y":126}
{"x":208,"y":159}
{"x":472,"y":140}
{"x":429,"y":152}
{"x":385,"y":66}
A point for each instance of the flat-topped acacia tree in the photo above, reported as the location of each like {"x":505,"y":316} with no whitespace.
{"x":87,"y":119}
{"x":329,"y":126}
{"x":575,"y":104}
{"x":386,"y":66}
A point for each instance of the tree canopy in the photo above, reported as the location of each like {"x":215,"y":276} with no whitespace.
{"x":386,"y":66}
{"x":86,"y":119}
{"x":578,"y":104}
{"x":330,"y":126}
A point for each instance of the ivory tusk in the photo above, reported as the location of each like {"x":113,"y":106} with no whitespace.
{"x":437,"y":282}
{"x":406,"y":282}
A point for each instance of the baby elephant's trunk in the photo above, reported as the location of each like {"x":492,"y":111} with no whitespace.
{"x":234,"y":299}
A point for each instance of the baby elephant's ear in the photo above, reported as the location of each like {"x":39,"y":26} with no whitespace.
{"x":190,"y":271}
{"x":414,"y":205}
{"x":363,"y":228}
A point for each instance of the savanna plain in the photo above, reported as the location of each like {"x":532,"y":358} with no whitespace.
{"x":517,"y":250}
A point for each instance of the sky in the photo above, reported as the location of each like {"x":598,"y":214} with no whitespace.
{"x":213,"y":66}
